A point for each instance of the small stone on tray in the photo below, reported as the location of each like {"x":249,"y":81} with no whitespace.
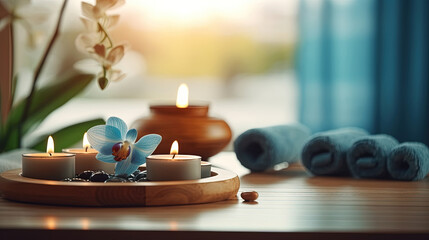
{"x":141,"y":175}
{"x":85,"y":174}
{"x":249,"y":196}
{"x":100,"y":176}
{"x":116,"y":179}
{"x":74,"y":180}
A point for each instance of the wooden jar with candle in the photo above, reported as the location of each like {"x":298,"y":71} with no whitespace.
{"x":197,"y":132}
{"x":85,"y":159}
{"x":49,"y":165}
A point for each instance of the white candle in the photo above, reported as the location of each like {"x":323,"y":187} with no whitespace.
{"x":173,"y":167}
{"x":165,"y":168}
{"x":206,"y":169}
{"x":49,"y":165}
{"x":85,"y":158}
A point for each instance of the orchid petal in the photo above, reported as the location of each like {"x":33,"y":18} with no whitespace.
{"x":118,"y":4}
{"x":34,"y":39}
{"x":11,"y":6}
{"x":116,"y":54}
{"x":105,"y":158}
{"x":87,"y":65}
{"x":119,"y":124}
{"x":88,"y":10}
{"x":90,"y":25}
{"x":138,"y":157}
{"x":131,"y":135}
{"x":98,"y":12}
{"x":125,"y":167}
{"x":86,"y":41}
{"x":116,"y":75}
{"x":111,"y":20}
{"x":148,"y":143}
{"x":109,"y":4}
{"x":103,"y":5}
{"x":103,"y":137}
{"x":34,"y":14}
{"x":144,"y":147}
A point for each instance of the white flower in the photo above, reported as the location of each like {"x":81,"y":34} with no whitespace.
{"x":97,"y":42}
{"x":21,"y":11}
{"x":99,"y":10}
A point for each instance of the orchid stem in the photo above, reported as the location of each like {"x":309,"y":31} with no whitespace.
{"x":12,"y":65}
{"x":12,"y":78}
{"x":106,"y":35}
{"x":39,"y":68}
{"x":12,"y":69}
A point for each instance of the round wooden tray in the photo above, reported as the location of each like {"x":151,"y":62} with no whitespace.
{"x":222,"y":185}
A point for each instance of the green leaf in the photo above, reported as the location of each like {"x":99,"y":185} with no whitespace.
{"x":68,"y":136}
{"x":14,"y":83}
{"x":45,"y":101}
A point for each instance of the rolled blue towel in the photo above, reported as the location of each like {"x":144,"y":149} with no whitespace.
{"x":260,"y":149}
{"x":409,"y":161}
{"x":367,"y":157}
{"x":326,"y":152}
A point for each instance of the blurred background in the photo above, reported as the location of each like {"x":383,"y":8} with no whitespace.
{"x":325,"y":63}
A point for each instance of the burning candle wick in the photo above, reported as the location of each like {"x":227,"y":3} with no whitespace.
{"x":50,"y":154}
{"x":174,"y":155}
{"x":86,"y":149}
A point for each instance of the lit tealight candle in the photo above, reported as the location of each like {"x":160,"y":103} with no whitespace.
{"x":174,"y":166}
{"x":85,"y":158}
{"x":49,"y":165}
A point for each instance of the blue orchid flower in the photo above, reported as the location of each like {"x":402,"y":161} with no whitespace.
{"x":116,"y":144}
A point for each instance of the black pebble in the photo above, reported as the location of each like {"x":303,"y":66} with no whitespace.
{"x":122,"y":176}
{"x":140,"y":176}
{"x":99,"y":177}
{"x":85,"y":174}
{"x":116,"y":179}
{"x":78,"y":180}
{"x":125,"y":178}
{"x":131,"y":177}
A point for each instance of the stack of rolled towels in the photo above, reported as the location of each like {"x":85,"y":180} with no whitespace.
{"x":341,"y":152}
{"x":260,"y":149}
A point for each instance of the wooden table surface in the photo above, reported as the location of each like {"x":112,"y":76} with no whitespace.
{"x":291,"y":204}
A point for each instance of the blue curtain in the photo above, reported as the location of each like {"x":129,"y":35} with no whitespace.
{"x":365,"y":63}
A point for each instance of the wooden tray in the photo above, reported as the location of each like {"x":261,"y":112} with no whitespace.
{"x":222,"y":185}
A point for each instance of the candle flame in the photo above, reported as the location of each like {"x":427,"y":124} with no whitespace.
{"x":86,"y":144}
{"x":182,"y":96}
{"x":174,"y":148}
{"x":50,"y":146}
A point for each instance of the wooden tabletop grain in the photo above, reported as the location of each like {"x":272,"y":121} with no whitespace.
{"x":292,"y":204}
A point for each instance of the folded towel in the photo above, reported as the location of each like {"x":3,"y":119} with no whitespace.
{"x":326,"y":152}
{"x":260,"y":149}
{"x":367,"y":158}
{"x":409,"y":161}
